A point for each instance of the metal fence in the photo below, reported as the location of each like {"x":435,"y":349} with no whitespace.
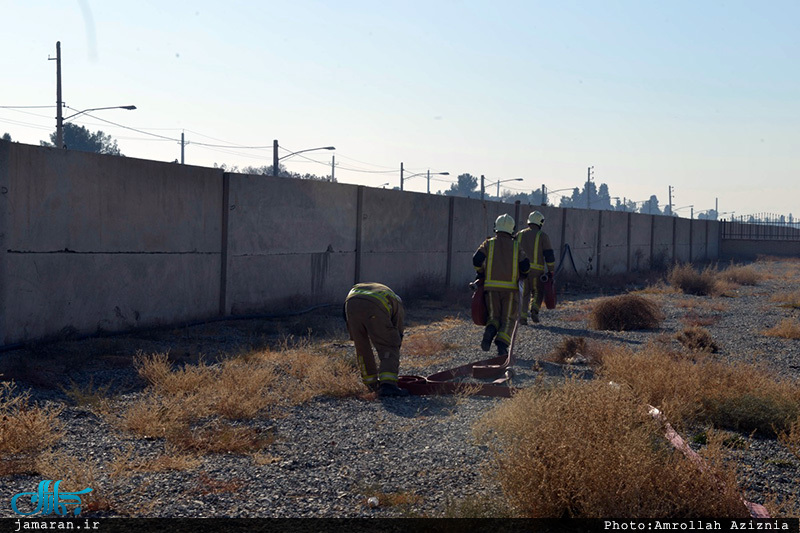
{"x":759,"y":230}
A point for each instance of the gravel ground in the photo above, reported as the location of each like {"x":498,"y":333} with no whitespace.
{"x":330,"y":455}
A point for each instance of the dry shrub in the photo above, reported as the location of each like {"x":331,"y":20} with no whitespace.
{"x":219,"y":437}
{"x":790,"y":437}
{"x":88,"y":394}
{"x":591,"y":450}
{"x":690,"y":281}
{"x":624,"y":313}
{"x":426,"y":344}
{"x":26,"y":430}
{"x":787,"y":329}
{"x":75,"y":474}
{"x":124,"y":464}
{"x":697,"y":339}
{"x":658,"y":287}
{"x":577,"y":350}
{"x":740,"y":275}
{"x":787,"y":299}
{"x":740,"y":397}
{"x":241,"y":388}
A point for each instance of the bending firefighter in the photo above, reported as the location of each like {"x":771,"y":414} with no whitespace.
{"x":537,"y":247}
{"x":501,"y":263}
{"x":375,"y":314}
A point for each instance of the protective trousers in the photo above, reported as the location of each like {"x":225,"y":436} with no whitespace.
{"x":532,"y":293}
{"x":368,"y":321}
{"x":502,"y":307}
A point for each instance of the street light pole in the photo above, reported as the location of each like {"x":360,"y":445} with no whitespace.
{"x":401,"y":175}
{"x":59,"y":117}
{"x":276,"y":159}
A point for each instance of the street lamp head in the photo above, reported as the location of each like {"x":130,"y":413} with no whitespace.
{"x":129,"y":107}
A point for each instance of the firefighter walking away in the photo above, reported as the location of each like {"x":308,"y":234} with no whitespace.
{"x":539,"y":251}
{"x":501,"y":263}
{"x":374,"y":316}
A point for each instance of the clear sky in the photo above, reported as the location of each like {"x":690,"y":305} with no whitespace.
{"x":701,"y":95}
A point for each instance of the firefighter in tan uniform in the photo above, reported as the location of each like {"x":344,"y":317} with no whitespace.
{"x":375,"y":314}
{"x":539,"y":250}
{"x":501,"y":263}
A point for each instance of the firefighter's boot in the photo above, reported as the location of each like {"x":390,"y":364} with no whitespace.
{"x":535,"y":316}
{"x":502,"y":349}
{"x":388,"y":389}
{"x":488,"y":337}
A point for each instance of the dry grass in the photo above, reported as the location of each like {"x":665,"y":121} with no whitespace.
{"x":692,"y":319}
{"x":624,"y":313}
{"x":787,"y":329}
{"x":577,"y":350}
{"x":590,"y":450}
{"x":190,"y":404}
{"x":426,"y":344}
{"x":124,"y":464}
{"x":88,"y":394}
{"x":790,"y":437}
{"x":787,"y":299}
{"x":26,"y":430}
{"x":697,"y":339}
{"x":76,"y":474}
{"x":658,"y":287}
{"x":740,"y":275}
{"x":700,"y":304}
{"x":689,"y":281}
{"x":697,"y":388}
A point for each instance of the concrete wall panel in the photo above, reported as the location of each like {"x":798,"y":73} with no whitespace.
{"x":662,"y":241}
{"x":749,"y":249}
{"x":106,"y":242}
{"x":288,"y":239}
{"x":89,"y":203}
{"x":713,"y":239}
{"x":266,"y":282}
{"x":640,"y":241}
{"x":682,"y":227}
{"x":699,"y":244}
{"x":581,"y":227}
{"x":5,"y":160}
{"x":613,"y":253}
{"x":86,"y":293}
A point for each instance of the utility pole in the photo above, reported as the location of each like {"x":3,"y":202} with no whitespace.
{"x":483,"y":189}
{"x":183,"y":143}
{"x":333,"y":167}
{"x":275,"y":157}
{"x":588,"y":181}
{"x":716,"y":208}
{"x":401,"y":175}
{"x":429,"y":181}
{"x":59,"y":103}
{"x":544,"y":195}
{"x":670,"y":199}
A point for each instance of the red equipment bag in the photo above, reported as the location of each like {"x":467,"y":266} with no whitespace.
{"x":478,"y":303}
{"x":549,"y":290}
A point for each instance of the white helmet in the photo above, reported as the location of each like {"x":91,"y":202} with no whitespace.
{"x":536,"y":218}
{"x":504,"y":223}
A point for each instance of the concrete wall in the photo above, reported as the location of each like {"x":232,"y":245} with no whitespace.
{"x":641,"y":227}
{"x":288,"y":240}
{"x":104,"y":243}
{"x":614,"y":238}
{"x":96,"y":242}
{"x":682,"y":240}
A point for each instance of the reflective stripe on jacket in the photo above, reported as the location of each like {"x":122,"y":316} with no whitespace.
{"x":502,"y":261}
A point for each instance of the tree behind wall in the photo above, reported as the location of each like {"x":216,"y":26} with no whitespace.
{"x":6,"y":137}
{"x":80,"y":139}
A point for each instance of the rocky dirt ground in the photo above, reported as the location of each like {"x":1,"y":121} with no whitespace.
{"x":416,"y":455}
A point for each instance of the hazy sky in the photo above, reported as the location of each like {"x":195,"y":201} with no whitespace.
{"x":701,"y":95}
